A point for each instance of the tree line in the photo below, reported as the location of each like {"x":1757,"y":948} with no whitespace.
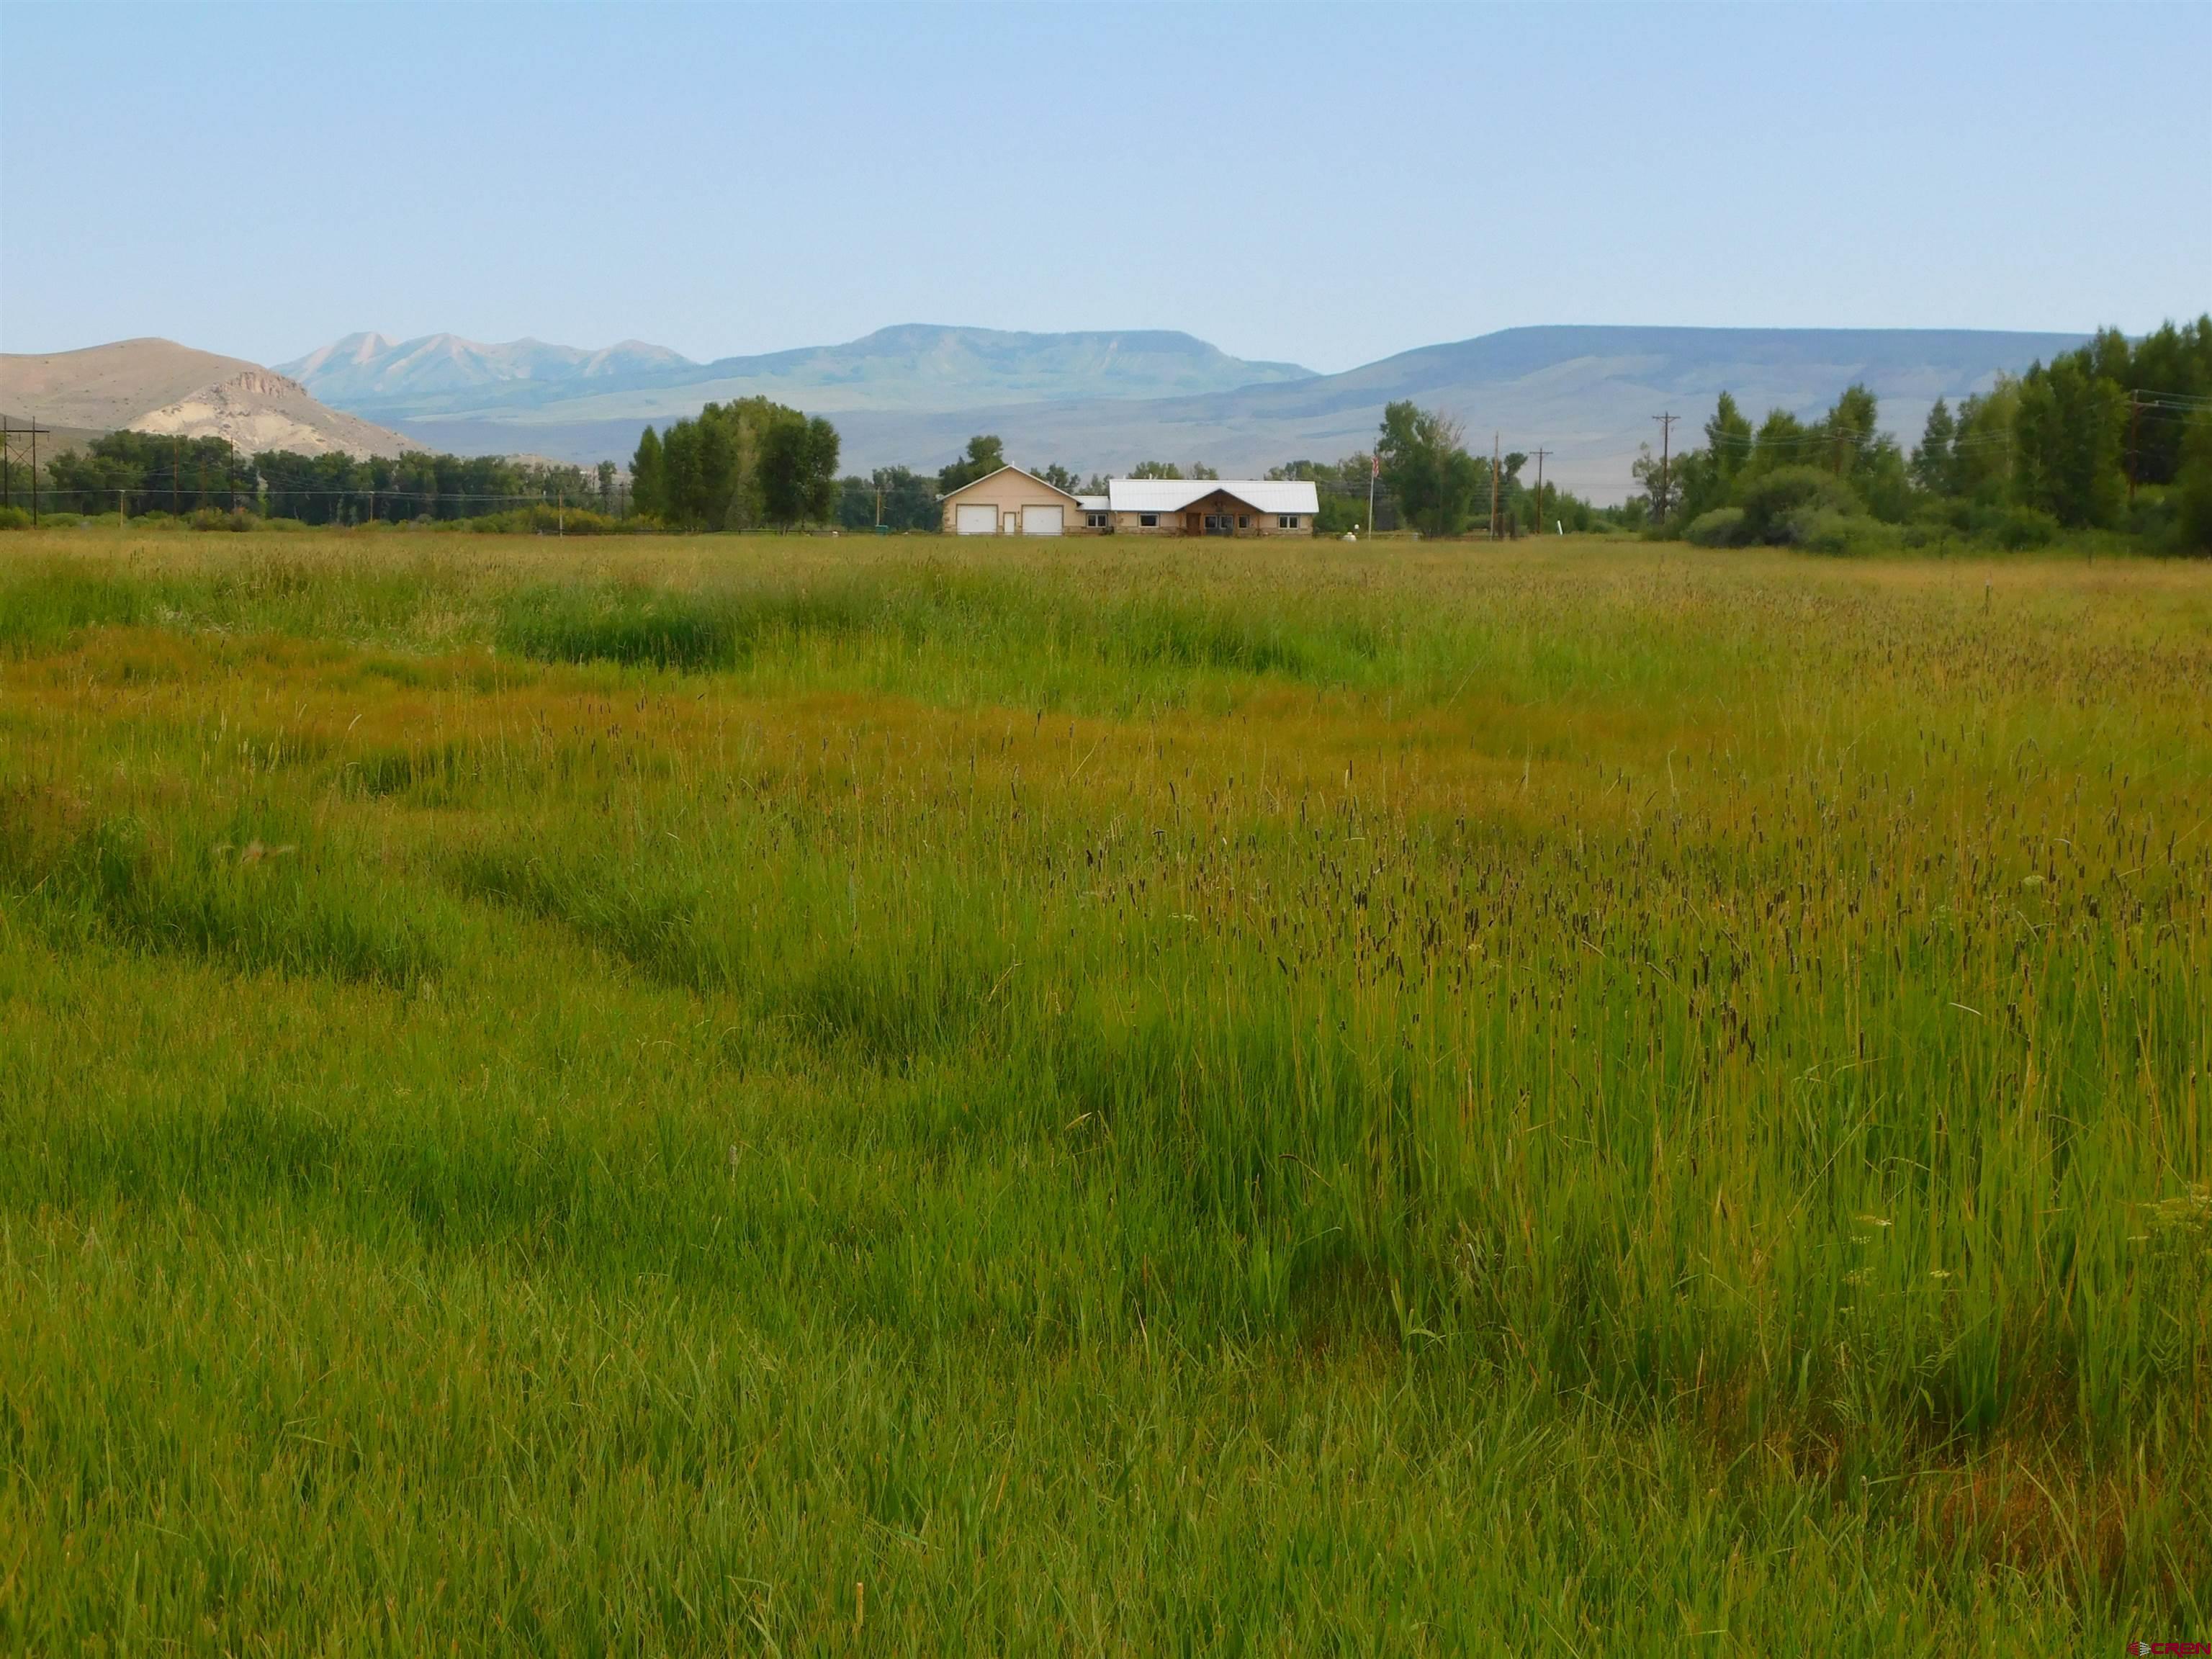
{"x":142,"y":473}
{"x":2115,"y":436}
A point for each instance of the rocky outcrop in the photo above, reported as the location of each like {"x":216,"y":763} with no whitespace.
{"x":158,"y":386}
{"x":260,"y":409}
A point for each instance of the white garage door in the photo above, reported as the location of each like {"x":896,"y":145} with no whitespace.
{"x":975,"y":520}
{"x":1043,"y":520}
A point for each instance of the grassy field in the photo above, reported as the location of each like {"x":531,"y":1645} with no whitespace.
{"x":813,"y":1096}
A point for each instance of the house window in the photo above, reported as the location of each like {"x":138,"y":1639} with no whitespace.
{"x":1095,"y":520}
{"x":1287,"y":521}
{"x":1149,"y":520}
{"x":1243,"y":522}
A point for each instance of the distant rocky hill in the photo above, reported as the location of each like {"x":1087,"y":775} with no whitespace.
{"x":158,"y":386}
{"x":915,"y":366}
{"x":1586,"y":394}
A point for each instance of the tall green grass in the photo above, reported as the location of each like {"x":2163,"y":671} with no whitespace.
{"x":1574,"y":1102}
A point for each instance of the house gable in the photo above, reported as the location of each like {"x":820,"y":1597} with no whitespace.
{"x":1001,"y":476}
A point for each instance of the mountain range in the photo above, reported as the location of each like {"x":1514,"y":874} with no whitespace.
{"x":1092,"y":401}
{"x":916,"y":366}
{"x":1102,"y":402}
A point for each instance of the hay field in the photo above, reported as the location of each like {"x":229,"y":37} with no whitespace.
{"x":831,"y":1096}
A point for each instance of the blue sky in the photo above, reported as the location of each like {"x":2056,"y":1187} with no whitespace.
{"x":1326,"y":185}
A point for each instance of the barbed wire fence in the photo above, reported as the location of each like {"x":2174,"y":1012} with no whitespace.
{"x":346,"y":506}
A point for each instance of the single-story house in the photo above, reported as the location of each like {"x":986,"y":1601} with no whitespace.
{"x":1013,"y":502}
{"x":1212,"y":506}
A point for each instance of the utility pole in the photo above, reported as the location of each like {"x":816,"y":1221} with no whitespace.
{"x":35,"y":475}
{"x":176,"y":472}
{"x":1540,"y":454}
{"x":7,"y":482}
{"x":1666,"y":490}
{"x":1493,"y":485}
{"x":1374,"y":471}
{"x":880,"y":499}
{"x":230,"y":473}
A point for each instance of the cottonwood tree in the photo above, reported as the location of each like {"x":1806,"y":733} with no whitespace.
{"x":799,"y":471}
{"x":648,"y":474}
{"x":1426,"y":468}
{"x":987,"y":453}
{"x":738,"y":464}
{"x":1932,"y":461}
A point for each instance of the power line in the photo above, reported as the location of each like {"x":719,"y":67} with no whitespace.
{"x":9,"y":432}
{"x":1666,"y":430}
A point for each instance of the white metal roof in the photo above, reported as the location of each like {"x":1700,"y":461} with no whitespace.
{"x":1093,"y":503}
{"x":1173,"y":495}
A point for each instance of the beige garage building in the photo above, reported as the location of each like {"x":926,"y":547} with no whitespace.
{"x":1013,"y":502}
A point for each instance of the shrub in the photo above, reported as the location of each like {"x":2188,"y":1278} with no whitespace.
{"x":2152,"y":518}
{"x":1823,"y":530}
{"x":1769,"y":503}
{"x":1953,"y":514}
{"x":1722,"y":527}
{"x":14,"y":517}
{"x":1817,"y":530}
{"x":545,"y":520}
{"x":213,"y":518}
{"x":2192,"y":492}
{"x":2016,"y":528}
